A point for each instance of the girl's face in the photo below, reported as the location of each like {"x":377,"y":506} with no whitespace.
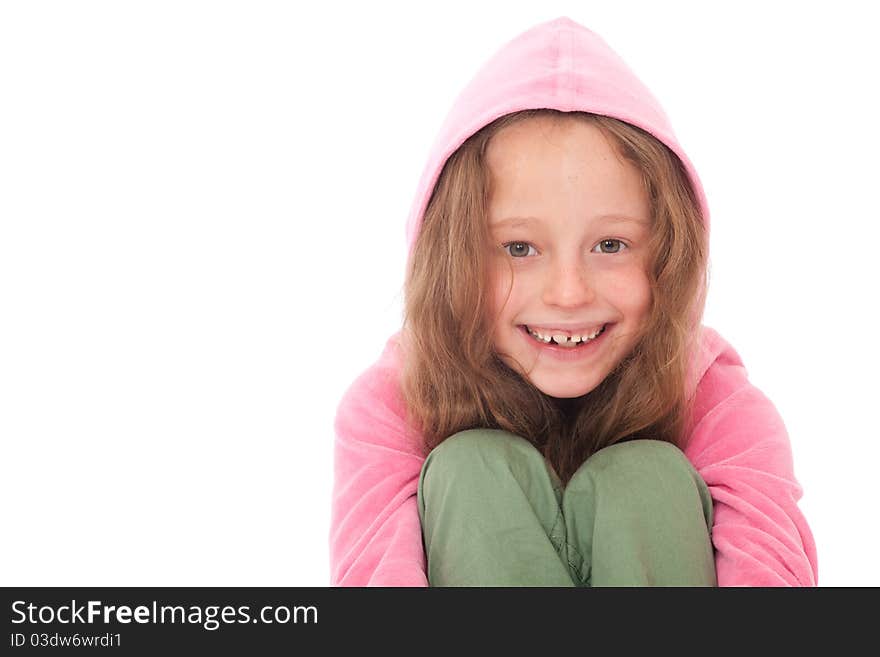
{"x":570,"y":217}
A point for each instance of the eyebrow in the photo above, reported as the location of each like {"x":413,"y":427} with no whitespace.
{"x":513,"y":222}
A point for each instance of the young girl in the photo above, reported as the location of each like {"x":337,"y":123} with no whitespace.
{"x":553,"y":412}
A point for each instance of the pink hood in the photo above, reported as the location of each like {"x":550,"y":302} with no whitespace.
{"x":738,"y":442}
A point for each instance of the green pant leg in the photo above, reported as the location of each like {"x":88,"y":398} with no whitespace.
{"x":638,"y":514}
{"x":490,"y":513}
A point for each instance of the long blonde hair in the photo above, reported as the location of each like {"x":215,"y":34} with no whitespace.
{"x":452,"y":378}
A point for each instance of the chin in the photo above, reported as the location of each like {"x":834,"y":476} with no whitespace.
{"x":563,"y":390}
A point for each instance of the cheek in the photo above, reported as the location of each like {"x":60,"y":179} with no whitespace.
{"x":641,"y":298}
{"x":630,"y":291}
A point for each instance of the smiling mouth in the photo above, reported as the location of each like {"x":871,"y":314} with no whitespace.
{"x":561,"y":339}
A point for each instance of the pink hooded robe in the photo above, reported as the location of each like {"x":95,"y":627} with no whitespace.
{"x":738,"y":442}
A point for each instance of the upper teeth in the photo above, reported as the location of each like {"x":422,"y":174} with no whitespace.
{"x":563,"y":339}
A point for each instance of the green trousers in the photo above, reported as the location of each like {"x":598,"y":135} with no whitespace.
{"x":494,"y":513}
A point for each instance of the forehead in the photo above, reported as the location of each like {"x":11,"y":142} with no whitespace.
{"x":622,"y":220}
{"x":539,"y":167}
{"x":547,"y":138}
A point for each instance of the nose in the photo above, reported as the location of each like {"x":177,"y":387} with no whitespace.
{"x":568,"y":284}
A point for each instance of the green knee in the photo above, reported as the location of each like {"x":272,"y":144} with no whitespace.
{"x":633,"y":453}
{"x":469,"y":455}
{"x":469,"y":446}
{"x":653,"y":465}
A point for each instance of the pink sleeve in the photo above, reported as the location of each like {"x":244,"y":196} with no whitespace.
{"x":375,"y":534}
{"x":741,"y":448}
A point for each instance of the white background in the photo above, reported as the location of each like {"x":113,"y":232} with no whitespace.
{"x":202,"y":210}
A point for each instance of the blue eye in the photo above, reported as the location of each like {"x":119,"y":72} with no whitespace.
{"x":612,"y":242}
{"x":518,"y":247}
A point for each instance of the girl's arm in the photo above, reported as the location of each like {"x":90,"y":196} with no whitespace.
{"x":741,"y":448}
{"x":375,"y":534}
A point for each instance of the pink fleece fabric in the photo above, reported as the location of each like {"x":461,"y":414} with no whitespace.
{"x":737,"y":440}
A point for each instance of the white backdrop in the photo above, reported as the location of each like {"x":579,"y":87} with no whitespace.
{"x":202,"y":210}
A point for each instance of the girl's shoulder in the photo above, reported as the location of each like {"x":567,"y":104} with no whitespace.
{"x":730,"y":416}
{"x":382,"y":375}
{"x":372,"y":409}
{"x":716,"y":369}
